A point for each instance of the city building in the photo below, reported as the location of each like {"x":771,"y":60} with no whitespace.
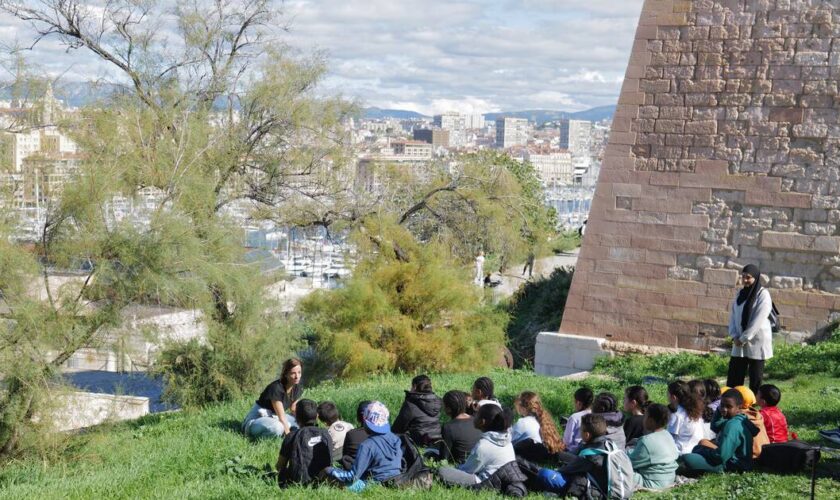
{"x":553,"y":168}
{"x":455,"y":123}
{"x":576,"y":136}
{"x":511,"y":132}
{"x":437,"y":138}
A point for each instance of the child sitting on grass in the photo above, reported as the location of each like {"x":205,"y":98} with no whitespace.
{"x":492,"y":451}
{"x":482,"y":394}
{"x":774,"y":420}
{"x":606,"y":405}
{"x":459,"y":434}
{"x":338,"y":429}
{"x":686,"y":423}
{"x":380,"y":455}
{"x":307,"y":450}
{"x":635,"y":402}
{"x":654,"y":457}
{"x":419,"y":415}
{"x":354,"y":438}
{"x":732,"y":448}
{"x":583,"y":399}
{"x":535,"y":435}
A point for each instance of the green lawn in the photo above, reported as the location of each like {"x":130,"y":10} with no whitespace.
{"x":201,"y":454}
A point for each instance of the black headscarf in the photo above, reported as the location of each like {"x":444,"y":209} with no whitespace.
{"x":749,"y":294}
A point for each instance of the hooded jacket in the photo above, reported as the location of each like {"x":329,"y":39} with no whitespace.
{"x":615,"y":428}
{"x":492,"y":451}
{"x":379,"y":456}
{"x":596,"y":465}
{"x":419,"y":417}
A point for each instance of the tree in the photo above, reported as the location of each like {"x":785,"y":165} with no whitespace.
{"x":217,"y":124}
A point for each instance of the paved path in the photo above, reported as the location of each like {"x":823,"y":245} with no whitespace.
{"x":512,"y":278}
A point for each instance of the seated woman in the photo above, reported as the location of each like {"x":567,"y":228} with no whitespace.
{"x":419,"y":415}
{"x":271,"y":415}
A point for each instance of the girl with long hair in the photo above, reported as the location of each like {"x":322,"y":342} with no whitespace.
{"x":271,"y":415}
{"x":686,"y":422}
{"x":536,"y":424}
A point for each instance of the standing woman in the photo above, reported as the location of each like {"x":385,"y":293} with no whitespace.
{"x":751,"y":331}
{"x":271,"y":415}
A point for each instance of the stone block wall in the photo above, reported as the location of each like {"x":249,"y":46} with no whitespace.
{"x":724,"y":151}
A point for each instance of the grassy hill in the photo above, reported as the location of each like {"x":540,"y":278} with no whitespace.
{"x":201,"y":454}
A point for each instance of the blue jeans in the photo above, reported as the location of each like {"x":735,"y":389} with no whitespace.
{"x":261,"y":423}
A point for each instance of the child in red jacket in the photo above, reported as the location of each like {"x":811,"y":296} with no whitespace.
{"x":774,"y":421}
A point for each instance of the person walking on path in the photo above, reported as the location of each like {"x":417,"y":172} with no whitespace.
{"x":751,"y":331}
{"x":479,"y":268}
{"x":529,"y":264}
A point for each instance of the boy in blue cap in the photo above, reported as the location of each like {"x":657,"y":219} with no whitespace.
{"x":380,"y":455}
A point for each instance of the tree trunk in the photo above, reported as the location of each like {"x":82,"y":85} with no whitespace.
{"x":16,"y":408}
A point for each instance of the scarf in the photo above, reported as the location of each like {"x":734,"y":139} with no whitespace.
{"x":747,"y":295}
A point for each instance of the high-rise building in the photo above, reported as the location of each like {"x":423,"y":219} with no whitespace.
{"x":474,"y":121}
{"x":576,"y":136}
{"x":455,"y":123}
{"x":511,"y":132}
{"x":437,"y":138}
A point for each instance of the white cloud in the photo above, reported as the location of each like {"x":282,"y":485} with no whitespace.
{"x":436,"y":55}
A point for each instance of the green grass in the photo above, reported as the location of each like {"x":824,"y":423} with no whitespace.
{"x":201,"y":454}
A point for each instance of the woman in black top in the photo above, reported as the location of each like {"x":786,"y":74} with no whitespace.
{"x":459,"y":434}
{"x":271,"y":415}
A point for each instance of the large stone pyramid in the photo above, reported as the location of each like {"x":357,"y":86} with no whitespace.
{"x":724,"y":151}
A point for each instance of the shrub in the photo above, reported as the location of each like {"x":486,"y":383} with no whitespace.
{"x":227,"y":367}
{"x":410,"y":310}
{"x":536,"y":307}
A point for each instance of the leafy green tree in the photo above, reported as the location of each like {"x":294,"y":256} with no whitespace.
{"x":219,"y":125}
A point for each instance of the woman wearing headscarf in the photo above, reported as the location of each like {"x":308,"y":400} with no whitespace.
{"x":751,"y":331}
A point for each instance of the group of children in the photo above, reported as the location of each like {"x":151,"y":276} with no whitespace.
{"x":703,"y":428}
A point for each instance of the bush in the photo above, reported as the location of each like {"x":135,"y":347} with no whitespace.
{"x":412,"y":312}
{"x":536,"y":307}
{"x":565,"y":242}
{"x":227,"y":367}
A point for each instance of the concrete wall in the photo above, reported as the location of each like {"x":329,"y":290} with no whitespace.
{"x":724,"y":151}
{"x":79,"y":410}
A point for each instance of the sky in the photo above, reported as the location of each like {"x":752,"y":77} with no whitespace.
{"x":431,"y":56}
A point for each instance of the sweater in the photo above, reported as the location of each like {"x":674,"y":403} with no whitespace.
{"x":492,"y":451}
{"x":654,"y":460}
{"x":379,"y":456}
{"x":526,"y":428}
{"x":775,"y":423}
{"x":338,"y":430}
{"x":571,"y":436}
{"x":735,"y":445}
{"x":419,"y":417}
{"x":687,"y":433}
{"x":459,"y":438}
{"x":758,"y":337}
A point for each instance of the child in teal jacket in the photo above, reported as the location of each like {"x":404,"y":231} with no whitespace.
{"x":654,"y":457}
{"x":732,"y":448}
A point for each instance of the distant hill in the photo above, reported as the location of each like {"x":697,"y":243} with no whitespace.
{"x":399,"y":114}
{"x":540,"y":116}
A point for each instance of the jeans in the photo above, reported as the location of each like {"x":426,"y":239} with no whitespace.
{"x":696,"y":462}
{"x":456,"y":477}
{"x":738,"y":368}
{"x":261,"y":423}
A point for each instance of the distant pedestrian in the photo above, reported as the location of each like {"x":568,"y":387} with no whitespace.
{"x":529,"y":264}
{"x":479,"y":268}
{"x":751,"y":331}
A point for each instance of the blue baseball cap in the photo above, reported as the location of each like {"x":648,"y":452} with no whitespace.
{"x":376,"y":418}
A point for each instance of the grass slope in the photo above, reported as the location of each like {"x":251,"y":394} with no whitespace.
{"x":201,"y":454}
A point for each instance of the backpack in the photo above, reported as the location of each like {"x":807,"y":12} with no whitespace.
{"x":775,"y":325}
{"x":311,"y":452}
{"x":413,"y":471}
{"x":789,"y":457}
{"x":620,"y":483}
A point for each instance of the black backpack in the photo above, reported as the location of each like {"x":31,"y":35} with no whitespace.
{"x":413,"y":471}
{"x":311,"y":452}
{"x":791,"y":457}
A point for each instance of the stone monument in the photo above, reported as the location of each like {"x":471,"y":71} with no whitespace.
{"x":724,"y":151}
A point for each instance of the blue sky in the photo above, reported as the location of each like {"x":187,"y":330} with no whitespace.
{"x":437,"y":55}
